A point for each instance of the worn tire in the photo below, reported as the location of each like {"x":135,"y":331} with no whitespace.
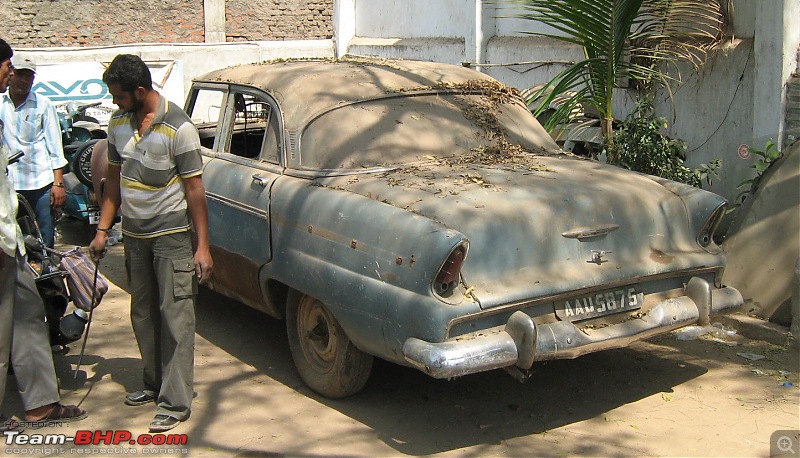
{"x":326,"y":359}
{"x":82,"y":161}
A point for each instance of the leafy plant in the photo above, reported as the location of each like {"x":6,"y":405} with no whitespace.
{"x":767,"y":157}
{"x":622,"y":40}
{"x":640,"y":146}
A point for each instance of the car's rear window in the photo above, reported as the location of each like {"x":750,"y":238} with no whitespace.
{"x":410,"y":128}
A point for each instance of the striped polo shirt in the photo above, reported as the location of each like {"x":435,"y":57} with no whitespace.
{"x":152,"y":169}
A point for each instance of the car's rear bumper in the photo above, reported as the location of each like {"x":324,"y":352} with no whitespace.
{"x":522,"y":341}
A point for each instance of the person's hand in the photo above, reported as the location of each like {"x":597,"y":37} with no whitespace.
{"x":97,"y":249}
{"x":57,"y":196}
{"x":203,"y":265}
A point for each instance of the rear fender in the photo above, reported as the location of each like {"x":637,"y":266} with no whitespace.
{"x":363,"y":258}
{"x":700,"y":205}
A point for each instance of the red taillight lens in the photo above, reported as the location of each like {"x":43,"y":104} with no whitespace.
{"x":447,"y":278}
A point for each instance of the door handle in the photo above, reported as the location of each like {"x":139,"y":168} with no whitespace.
{"x":261,"y":181}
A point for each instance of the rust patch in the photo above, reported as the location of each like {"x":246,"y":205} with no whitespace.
{"x":661,"y":257}
{"x":237,"y":273}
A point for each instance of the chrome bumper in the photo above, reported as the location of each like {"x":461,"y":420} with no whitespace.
{"x":522,"y":341}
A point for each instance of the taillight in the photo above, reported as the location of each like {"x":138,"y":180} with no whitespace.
{"x":448,"y":276}
{"x":706,"y":235}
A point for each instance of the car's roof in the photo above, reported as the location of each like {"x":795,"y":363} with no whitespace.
{"x":306,"y":87}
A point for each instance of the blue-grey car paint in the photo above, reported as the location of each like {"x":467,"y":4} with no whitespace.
{"x":370,"y":251}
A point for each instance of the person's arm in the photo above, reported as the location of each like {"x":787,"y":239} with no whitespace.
{"x":198,"y":209}
{"x":55,"y":150}
{"x":58,"y":195}
{"x":108,"y":211}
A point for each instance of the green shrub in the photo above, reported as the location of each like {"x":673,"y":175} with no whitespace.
{"x":640,"y":146}
{"x":767,"y":157}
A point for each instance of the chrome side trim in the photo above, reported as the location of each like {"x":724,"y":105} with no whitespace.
{"x":249,"y":209}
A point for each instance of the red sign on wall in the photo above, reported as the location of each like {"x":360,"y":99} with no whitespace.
{"x":744,"y":151}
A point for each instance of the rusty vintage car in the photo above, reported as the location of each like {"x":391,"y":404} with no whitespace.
{"x":417,"y":212}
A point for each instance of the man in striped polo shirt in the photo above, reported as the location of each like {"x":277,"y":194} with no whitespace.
{"x":154,"y":177}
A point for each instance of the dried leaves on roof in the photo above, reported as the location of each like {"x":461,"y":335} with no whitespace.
{"x":482,"y":111}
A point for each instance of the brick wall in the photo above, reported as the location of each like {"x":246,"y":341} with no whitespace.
{"x":54,"y":23}
{"x":793,"y":110}
{"x":278,"y":20}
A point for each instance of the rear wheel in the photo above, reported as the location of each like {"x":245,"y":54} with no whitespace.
{"x":326,"y":359}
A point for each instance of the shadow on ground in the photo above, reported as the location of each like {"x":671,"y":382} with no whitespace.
{"x":418,"y":415}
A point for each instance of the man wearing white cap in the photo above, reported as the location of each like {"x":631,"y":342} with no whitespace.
{"x":32,"y":127}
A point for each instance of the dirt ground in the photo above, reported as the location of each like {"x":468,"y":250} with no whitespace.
{"x":661,"y":397}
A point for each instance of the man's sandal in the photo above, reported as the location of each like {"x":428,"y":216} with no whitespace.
{"x":62,"y":413}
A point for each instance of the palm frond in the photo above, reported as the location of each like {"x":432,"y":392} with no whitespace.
{"x":684,"y":30}
{"x":622,"y":39}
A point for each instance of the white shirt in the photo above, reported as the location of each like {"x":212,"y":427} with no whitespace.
{"x":10,"y":233}
{"x":32,"y":128}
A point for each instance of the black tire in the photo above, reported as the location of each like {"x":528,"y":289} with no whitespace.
{"x":326,"y":359}
{"x":81,"y":164}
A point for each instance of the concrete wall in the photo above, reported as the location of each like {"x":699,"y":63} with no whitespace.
{"x":714,"y":113}
{"x":195,"y":59}
{"x":474,"y":32}
{"x":201,"y":34}
{"x":740,"y":97}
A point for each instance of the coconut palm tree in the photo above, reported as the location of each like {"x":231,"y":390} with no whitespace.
{"x":634,"y":40}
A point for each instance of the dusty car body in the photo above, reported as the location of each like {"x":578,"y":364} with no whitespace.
{"x":417,"y":212}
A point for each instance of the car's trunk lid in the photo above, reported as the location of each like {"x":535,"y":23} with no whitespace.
{"x":555,"y":224}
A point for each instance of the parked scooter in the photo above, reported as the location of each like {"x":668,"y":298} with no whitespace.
{"x":50,"y":278}
{"x":80,"y":133}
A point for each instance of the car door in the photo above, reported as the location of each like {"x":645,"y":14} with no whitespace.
{"x":238,"y":178}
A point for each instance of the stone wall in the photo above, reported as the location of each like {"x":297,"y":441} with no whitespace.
{"x":248,"y":20}
{"x":792,"y":131}
{"x":59,"y":23}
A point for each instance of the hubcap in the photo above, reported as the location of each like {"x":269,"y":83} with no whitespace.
{"x":317,"y":334}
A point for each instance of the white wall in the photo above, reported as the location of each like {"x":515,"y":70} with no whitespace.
{"x":412,"y":18}
{"x":739,"y":98}
{"x":195,"y":59}
{"x":713,"y":113}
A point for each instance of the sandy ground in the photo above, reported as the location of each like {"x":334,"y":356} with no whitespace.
{"x":661,"y":397}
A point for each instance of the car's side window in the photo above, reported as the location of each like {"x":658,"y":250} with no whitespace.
{"x":205,"y":109}
{"x":254,"y":128}
{"x":272,"y":145}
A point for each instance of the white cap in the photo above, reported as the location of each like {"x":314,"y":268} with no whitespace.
{"x":22,"y":61}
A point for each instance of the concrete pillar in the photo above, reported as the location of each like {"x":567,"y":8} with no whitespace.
{"x":776,"y":41}
{"x":476,"y":40}
{"x":344,"y":25}
{"x":215,"y":21}
{"x":472,"y":34}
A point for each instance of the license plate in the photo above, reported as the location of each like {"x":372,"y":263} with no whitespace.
{"x":94,"y":216}
{"x":600,"y":303}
